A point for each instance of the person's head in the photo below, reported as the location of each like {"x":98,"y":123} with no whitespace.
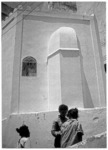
{"x":73,"y":113}
{"x":63,"y":109}
{"x":23,"y":131}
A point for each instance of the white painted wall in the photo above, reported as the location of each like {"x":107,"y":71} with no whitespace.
{"x":33,"y":90}
{"x":8,"y":48}
{"x":54,"y":82}
{"x":32,"y":39}
{"x":71,"y":80}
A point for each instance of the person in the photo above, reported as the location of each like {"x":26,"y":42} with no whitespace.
{"x":24,"y":141}
{"x":56,"y":131}
{"x":71,"y":130}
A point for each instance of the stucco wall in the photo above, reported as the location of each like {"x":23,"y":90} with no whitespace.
{"x":93,"y":122}
{"x":88,"y":8}
{"x":32,"y":39}
{"x":54,"y":82}
{"x":8,"y":48}
{"x":37,"y":31}
{"x":71,"y":80}
{"x":33,"y":90}
{"x":99,"y":9}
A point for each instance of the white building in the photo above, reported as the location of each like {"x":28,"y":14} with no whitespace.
{"x":51,"y":58}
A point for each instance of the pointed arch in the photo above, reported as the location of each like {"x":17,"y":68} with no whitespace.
{"x":29,"y":66}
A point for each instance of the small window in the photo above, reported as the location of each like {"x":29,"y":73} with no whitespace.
{"x":29,"y":66}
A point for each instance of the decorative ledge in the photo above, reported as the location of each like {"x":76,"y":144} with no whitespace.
{"x":62,"y":49}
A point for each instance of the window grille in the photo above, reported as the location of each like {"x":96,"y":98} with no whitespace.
{"x":29,"y":66}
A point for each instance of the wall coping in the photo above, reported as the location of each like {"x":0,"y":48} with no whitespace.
{"x":32,"y":113}
{"x":63,"y":15}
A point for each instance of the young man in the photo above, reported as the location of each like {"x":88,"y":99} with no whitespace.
{"x":56,"y":131}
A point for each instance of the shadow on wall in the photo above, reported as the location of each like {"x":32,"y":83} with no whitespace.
{"x":87,"y":99}
{"x":74,"y":53}
{"x":59,"y":20}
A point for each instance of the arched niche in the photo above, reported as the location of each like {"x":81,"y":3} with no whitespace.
{"x":62,"y":39}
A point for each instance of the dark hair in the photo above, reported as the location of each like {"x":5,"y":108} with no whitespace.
{"x":73,"y":113}
{"x":63,"y":107}
{"x":23,"y":131}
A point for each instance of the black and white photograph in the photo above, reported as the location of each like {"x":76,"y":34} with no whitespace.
{"x":54,"y":71}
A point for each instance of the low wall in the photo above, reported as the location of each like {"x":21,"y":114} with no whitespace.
{"x":93,"y":122}
{"x":96,"y":141}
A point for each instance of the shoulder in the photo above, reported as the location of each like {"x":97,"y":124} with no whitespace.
{"x":25,"y":142}
{"x":74,"y":123}
{"x":78,"y":123}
